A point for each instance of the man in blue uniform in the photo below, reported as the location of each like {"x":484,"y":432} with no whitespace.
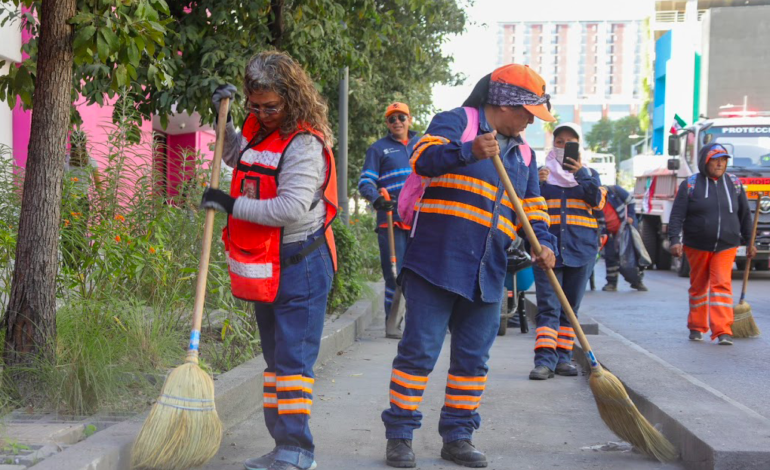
{"x":387,"y":166}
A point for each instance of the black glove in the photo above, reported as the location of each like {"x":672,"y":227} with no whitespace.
{"x":218,"y":200}
{"x":223,"y":91}
{"x":381,"y":204}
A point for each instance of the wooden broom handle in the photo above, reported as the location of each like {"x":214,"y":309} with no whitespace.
{"x":747,"y":268}
{"x":208,"y":233}
{"x":391,"y":235}
{"x":522,"y":217}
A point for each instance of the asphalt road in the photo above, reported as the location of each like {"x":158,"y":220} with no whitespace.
{"x":657,"y":321}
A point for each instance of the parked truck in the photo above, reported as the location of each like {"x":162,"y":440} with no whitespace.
{"x":748,"y":140}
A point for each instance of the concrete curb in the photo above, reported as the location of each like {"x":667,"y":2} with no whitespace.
{"x":711,"y":431}
{"x":238,"y":394}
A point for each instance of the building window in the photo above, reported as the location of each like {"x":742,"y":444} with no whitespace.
{"x":539,"y":59}
{"x":555,"y":90}
{"x":555,"y":49}
{"x":593,"y":90}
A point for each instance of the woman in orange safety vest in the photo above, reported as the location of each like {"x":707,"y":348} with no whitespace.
{"x":278,"y":239}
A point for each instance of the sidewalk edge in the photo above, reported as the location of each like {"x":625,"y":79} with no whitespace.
{"x":238,"y":394}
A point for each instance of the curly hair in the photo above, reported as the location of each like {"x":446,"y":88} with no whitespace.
{"x":303,"y":105}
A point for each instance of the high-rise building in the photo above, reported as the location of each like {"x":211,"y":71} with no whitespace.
{"x":593,"y":67}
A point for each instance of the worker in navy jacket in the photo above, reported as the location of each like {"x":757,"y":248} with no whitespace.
{"x":572,"y":192}
{"x":620,"y":206}
{"x":455,"y":263}
{"x":387,"y":166}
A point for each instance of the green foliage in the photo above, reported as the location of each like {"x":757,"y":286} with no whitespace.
{"x":347,"y":285}
{"x":612,"y":136}
{"x":117,"y":45}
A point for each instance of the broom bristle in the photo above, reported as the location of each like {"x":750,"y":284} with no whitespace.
{"x":624,"y":419}
{"x":744,"y":325}
{"x":183,"y":429}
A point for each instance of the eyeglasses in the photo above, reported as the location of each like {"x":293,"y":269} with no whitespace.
{"x":256,"y":110}
{"x":392,"y":118}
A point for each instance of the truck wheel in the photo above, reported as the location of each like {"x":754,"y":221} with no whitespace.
{"x":503,"y":314}
{"x":649,"y":232}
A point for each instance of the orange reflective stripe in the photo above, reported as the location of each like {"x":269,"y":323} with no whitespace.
{"x":466,"y":383}
{"x":464,"y":402}
{"x":539,"y":215}
{"x":269,"y":379}
{"x":544,"y":330}
{"x":405,"y":402}
{"x":294,"y":406}
{"x":294,"y":383}
{"x":534,"y":203}
{"x":578,"y":204}
{"x":415,"y":382}
{"x":582,"y":221}
{"x":466,"y":183}
{"x":426,"y":141}
{"x":505,"y":226}
{"x":456,"y":209}
{"x":545,"y":343}
{"x":603,"y":200}
{"x":270,"y":400}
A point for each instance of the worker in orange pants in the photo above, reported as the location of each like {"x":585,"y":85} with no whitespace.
{"x":711,"y":291}
{"x":712,"y":213}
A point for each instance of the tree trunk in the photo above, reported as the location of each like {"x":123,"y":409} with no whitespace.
{"x":30,"y":320}
{"x":276,"y":23}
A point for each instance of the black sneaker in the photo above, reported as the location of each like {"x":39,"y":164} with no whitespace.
{"x":696,"y":335}
{"x":610,"y":288}
{"x":725,"y":340}
{"x":399,"y":453}
{"x":463,"y":453}
{"x":640,"y":287}
{"x":281,"y":465}
{"x":541,"y":373}
{"x":566,"y":369}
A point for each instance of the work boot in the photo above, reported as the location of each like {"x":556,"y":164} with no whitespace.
{"x":725,"y":340}
{"x":639,"y":286}
{"x":264,"y":462}
{"x":281,"y":465}
{"x":566,"y":369}
{"x":463,"y":453}
{"x":610,"y":287}
{"x":696,"y":335}
{"x":399,"y":453}
{"x":541,"y":373}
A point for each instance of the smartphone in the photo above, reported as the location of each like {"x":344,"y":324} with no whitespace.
{"x":571,"y":150}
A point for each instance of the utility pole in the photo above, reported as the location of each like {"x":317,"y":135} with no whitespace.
{"x":342,"y":155}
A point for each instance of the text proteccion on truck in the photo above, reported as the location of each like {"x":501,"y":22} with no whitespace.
{"x":748,"y":140}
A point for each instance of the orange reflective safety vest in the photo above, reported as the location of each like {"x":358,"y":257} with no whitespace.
{"x":253,"y":250}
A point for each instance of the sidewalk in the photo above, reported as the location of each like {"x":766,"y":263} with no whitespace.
{"x":525,"y":424}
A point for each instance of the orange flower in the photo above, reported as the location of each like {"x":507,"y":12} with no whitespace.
{"x":66,"y":223}
{"x":120,"y":218}
{"x":117,"y":238}
{"x":74,"y":180}
{"x":152,"y":250}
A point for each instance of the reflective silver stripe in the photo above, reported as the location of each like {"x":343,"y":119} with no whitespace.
{"x":270,"y":400}
{"x":467,"y":402}
{"x":244,"y":142}
{"x":721,"y":304}
{"x":263,"y":157}
{"x":294,"y":384}
{"x":462,"y":384}
{"x":395,"y":398}
{"x":400,"y":379}
{"x":449,"y":179}
{"x":692,"y":305}
{"x":269,"y":379}
{"x":303,"y":405}
{"x":698,"y":297}
{"x":463,"y":210}
{"x":249,"y":270}
{"x":720,"y":294}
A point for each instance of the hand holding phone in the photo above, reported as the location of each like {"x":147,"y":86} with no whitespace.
{"x":571,"y":152}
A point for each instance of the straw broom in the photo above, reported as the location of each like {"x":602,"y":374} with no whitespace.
{"x":183,"y":429}
{"x":744,"y":325}
{"x":615,"y":406}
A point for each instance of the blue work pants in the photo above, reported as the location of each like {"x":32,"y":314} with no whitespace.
{"x":473,"y":327}
{"x":555,"y":336}
{"x":290,"y":330}
{"x":401,"y":236}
